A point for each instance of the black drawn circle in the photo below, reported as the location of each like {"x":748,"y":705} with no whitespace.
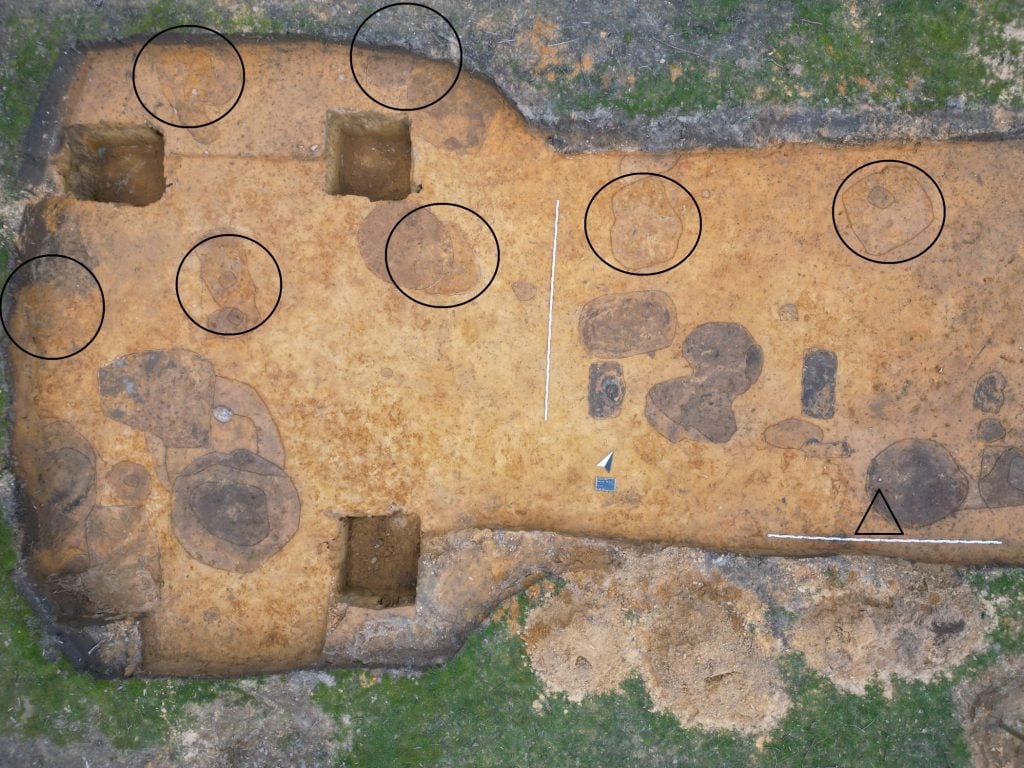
{"x":177,"y":285}
{"x":103,"y":307}
{"x":238,"y":98}
{"x":835,"y":200}
{"x":355,"y":77}
{"x":497,"y":256}
{"x":696,"y":242}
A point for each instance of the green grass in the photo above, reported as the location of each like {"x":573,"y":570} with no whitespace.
{"x":913,"y":55}
{"x":46,"y":697}
{"x":479,"y":710}
{"x":917,"y":726}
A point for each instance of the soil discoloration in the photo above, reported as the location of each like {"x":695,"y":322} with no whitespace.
{"x":818,"y":392}
{"x":893,"y":211}
{"x":726,"y":364}
{"x":130,"y":483}
{"x":991,"y":430}
{"x":921,"y":480}
{"x":1002,"y":478}
{"x":606,"y":390}
{"x":167,"y":393}
{"x":53,"y":307}
{"x":234,"y":511}
{"x":792,"y":434}
{"x":58,"y":474}
{"x":524,"y":291}
{"x":430,"y":253}
{"x":189,"y":85}
{"x":625,"y":324}
{"x":990,"y":393}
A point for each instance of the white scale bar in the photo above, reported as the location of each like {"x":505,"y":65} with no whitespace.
{"x":886,"y":540}
{"x":551,"y":311}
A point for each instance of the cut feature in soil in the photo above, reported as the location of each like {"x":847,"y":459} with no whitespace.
{"x":381,"y":561}
{"x":369,"y":155}
{"x":110,"y":163}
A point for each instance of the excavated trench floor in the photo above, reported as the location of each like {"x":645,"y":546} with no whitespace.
{"x":276,"y":346}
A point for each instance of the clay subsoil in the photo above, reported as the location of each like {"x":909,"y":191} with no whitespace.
{"x":198,"y":464}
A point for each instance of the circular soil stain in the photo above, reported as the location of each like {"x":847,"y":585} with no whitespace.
{"x":188,"y":76}
{"x":413,"y":27}
{"x":888,"y":211}
{"x":52,"y":307}
{"x":643,"y":224}
{"x":442,"y":255}
{"x":228,"y":284}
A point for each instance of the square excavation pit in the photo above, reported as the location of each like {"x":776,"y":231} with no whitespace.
{"x":184,"y":485}
{"x":368,"y":155}
{"x":381,"y":561}
{"x":110,"y":163}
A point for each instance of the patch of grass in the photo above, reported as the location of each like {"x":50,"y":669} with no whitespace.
{"x":700,"y":19}
{"x":49,"y":698}
{"x":486,"y":708}
{"x":1005,"y":588}
{"x":912,"y":55}
{"x":917,"y":726}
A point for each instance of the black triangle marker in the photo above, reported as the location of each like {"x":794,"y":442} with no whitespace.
{"x":883,"y":510}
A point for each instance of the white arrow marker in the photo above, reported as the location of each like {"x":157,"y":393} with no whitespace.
{"x":606,"y":462}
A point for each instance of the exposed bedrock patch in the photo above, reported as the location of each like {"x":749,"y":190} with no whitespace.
{"x":167,"y":393}
{"x":625,"y":324}
{"x":1002,"y":477}
{"x":726,"y":364}
{"x":921,"y":480}
{"x":818,"y":390}
{"x":233,"y":511}
{"x":990,"y":393}
{"x":606,"y":390}
{"x":702,"y":643}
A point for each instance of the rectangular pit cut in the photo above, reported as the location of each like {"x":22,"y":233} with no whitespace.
{"x":111,"y":163}
{"x":381,"y":561}
{"x":369,"y":155}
